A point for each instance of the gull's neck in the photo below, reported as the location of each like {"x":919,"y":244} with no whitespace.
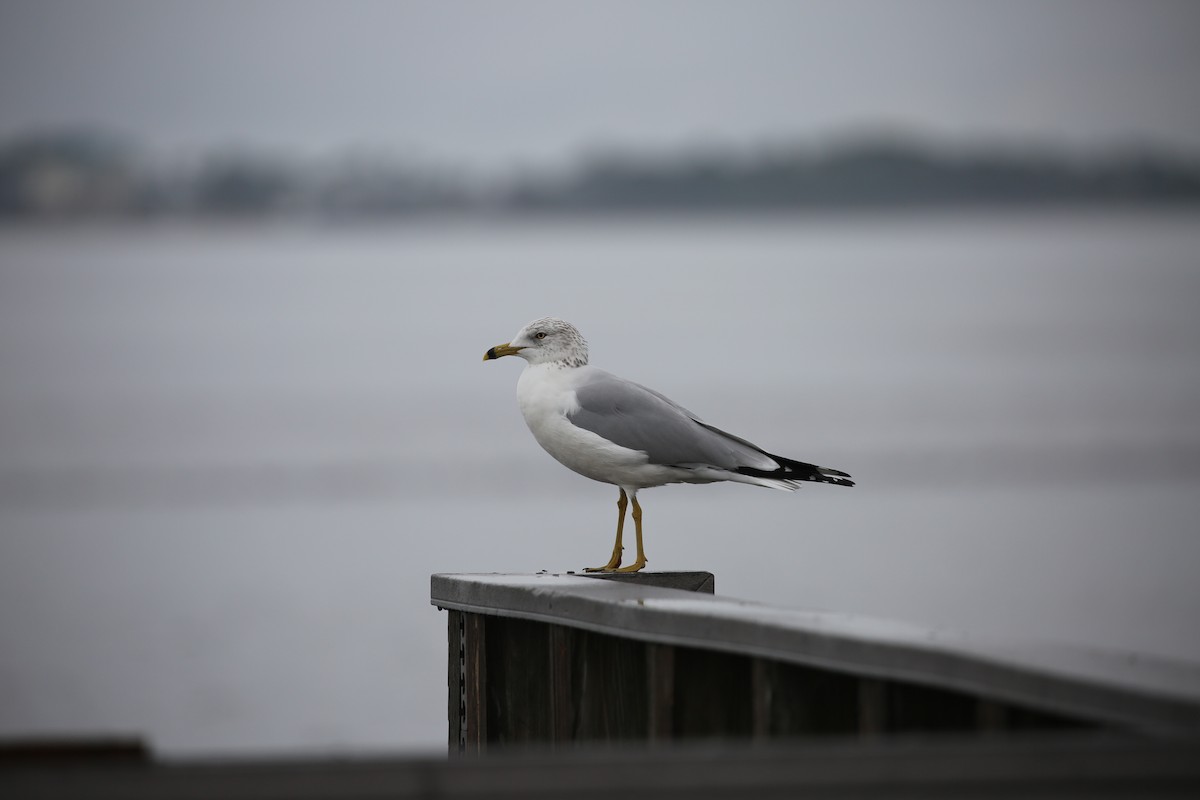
{"x":559,"y":365}
{"x":571,"y":360}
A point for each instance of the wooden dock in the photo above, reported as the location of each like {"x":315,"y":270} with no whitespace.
{"x":552,"y":659}
{"x":651,"y":686}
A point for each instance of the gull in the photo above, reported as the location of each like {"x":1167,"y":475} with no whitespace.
{"x":619,"y":432}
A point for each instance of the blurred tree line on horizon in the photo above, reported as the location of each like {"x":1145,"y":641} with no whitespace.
{"x":87,"y":175}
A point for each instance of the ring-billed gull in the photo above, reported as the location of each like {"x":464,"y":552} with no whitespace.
{"x":620,"y":432}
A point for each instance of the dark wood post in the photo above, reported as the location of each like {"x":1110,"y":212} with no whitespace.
{"x":872,"y":707}
{"x":474,"y":717}
{"x":762,"y":686}
{"x":454,"y":678}
{"x":660,"y":691}
{"x":562,"y":700}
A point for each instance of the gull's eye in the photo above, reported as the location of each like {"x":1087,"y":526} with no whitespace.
{"x":540,"y":335}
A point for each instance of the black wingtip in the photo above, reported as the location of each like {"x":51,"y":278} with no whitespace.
{"x":790,"y":470}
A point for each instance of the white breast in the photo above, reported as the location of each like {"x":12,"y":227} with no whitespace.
{"x":546,"y":394}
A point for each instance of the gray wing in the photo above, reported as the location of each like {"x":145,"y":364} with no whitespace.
{"x":633,"y":416}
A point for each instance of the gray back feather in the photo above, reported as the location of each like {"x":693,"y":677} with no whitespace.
{"x":639,"y":418}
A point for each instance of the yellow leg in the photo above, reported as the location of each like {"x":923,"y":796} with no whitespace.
{"x":615,"y":561}
{"x":637,"y":526}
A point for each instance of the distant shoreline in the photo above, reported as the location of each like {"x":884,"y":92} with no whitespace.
{"x":690,"y":219}
{"x":83,"y":177}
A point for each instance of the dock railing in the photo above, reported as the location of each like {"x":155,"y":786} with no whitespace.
{"x":556,"y":659}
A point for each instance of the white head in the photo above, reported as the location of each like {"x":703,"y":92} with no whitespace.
{"x":545,"y":341}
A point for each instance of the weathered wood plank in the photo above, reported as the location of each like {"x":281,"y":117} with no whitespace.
{"x":763,"y":678}
{"x":518,"y":686}
{"x":562,"y":699}
{"x":660,"y":681}
{"x":809,"y":702}
{"x":474,"y":720}
{"x":712,"y":694}
{"x":925,"y":709}
{"x":454,"y":679}
{"x":703,"y":582}
{"x":872,"y":707}
{"x":1059,"y":683}
{"x":609,"y":675}
{"x":990,"y":716}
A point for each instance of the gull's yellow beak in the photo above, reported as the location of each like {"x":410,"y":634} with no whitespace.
{"x":499,"y":350}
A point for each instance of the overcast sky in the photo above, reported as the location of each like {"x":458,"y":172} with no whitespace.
{"x":490,"y":83}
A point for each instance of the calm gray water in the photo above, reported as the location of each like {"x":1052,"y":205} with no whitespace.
{"x":230,"y":458}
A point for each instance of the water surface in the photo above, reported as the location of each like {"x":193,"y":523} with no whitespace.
{"x":230,"y":458}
